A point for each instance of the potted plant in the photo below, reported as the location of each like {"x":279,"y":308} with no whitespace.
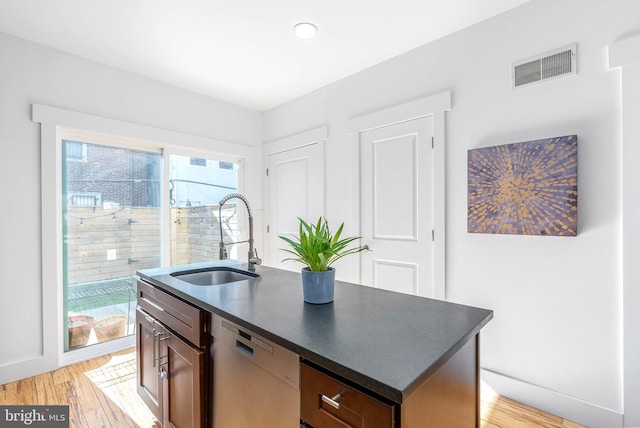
{"x":110,"y":328}
{"x":317,"y":248}
{"x":79,"y":330}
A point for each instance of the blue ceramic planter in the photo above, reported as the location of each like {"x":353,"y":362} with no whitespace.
{"x":317,"y":287}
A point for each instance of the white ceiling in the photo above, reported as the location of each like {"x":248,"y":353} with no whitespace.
{"x":241,"y":51}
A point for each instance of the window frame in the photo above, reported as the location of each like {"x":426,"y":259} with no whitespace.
{"x":56,"y":123}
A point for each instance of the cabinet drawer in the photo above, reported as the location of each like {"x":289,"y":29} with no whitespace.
{"x":181,"y":317}
{"x":320,"y":407}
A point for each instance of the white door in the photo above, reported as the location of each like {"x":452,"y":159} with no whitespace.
{"x":396,"y":207}
{"x":295,"y":184}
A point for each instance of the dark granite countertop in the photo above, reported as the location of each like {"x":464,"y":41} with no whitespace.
{"x":387,"y":342}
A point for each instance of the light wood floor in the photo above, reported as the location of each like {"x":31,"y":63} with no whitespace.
{"x":102,"y":393}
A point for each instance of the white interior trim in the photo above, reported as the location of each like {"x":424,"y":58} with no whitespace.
{"x":420,"y":107}
{"x":570,"y":408}
{"x":625,"y":54}
{"x":624,"y":51}
{"x":300,"y":139}
{"x":436,"y":106}
{"x":97,"y":350}
{"x":148,"y":135}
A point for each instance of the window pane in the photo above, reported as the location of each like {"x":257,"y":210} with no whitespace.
{"x":112,"y":227}
{"x":197,"y":162}
{"x":226,"y":165}
{"x":75,"y":150}
{"x":194,"y":193}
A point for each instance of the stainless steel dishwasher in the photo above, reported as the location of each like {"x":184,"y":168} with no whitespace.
{"x":256,"y":383}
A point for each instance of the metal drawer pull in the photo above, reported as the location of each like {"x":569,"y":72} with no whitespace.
{"x":153,"y":332}
{"x":333,"y":401}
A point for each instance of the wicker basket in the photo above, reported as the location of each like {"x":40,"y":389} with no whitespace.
{"x":79,"y":330}
{"x":110,"y":328}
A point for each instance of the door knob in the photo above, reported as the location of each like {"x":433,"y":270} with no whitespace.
{"x":366,"y":249}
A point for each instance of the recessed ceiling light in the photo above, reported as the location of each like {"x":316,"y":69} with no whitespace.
{"x":305,"y":30}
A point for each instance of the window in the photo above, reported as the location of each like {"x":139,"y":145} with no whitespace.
{"x":112,"y":227}
{"x":76,"y":151}
{"x":194,"y":193}
{"x":226,"y":165}
{"x":58,"y":218}
{"x":84,"y":199}
{"x":197,"y":162}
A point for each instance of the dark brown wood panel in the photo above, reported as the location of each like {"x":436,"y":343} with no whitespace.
{"x":148,"y":378}
{"x":356,"y":409}
{"x":181,"y":317}
{"x":450,"y":397}
{"x":183,"y":388}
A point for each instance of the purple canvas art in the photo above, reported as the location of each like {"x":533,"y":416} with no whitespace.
{"x":528,"y":188}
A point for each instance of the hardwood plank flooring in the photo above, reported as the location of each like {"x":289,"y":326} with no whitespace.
{"x":102,"y":393}
{"x":502,"y":412}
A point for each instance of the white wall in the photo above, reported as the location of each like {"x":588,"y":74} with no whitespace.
{"x":31,"y":73}
{"x":557,"y":301}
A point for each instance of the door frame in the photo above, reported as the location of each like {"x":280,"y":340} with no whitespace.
{"x":624,"y":56}
{"x":318,"y":136}
{"x":436,"y":106}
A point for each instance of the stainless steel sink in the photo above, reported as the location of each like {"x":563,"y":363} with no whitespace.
{"x":214,"y":276}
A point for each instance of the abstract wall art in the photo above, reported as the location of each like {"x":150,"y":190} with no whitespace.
{"x":527,"y":188}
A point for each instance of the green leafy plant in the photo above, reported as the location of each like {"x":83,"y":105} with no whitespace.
{"x":316,"y":247}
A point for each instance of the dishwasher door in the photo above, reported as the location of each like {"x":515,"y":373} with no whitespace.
{"x":256,"y":383}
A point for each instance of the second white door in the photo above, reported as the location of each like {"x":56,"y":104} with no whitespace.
{"x":295,"y":184}
{"x":396,"y":207}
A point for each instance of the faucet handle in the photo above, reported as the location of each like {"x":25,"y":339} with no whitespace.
{"x":255,"y":260}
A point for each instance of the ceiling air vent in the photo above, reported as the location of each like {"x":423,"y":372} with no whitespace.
{"x":551,"y":65}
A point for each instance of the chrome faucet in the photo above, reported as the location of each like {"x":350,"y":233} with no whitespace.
{"x":253,"y":258}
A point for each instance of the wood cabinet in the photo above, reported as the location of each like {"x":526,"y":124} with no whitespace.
{"x":325,"y":402}
{"x":172,"y":371}
{"x":449,"y":397}
{"x":148,"y":373}
{"x":183,"y":387}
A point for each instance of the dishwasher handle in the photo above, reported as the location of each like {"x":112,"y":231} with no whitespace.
{"x":245,"y":349}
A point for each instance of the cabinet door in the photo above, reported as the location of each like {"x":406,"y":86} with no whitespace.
{"x":148,"y":373}
{"x":183,"y":386}
{"x":329,"y":403}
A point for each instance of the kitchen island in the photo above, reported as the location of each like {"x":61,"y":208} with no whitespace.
{"x":418,"y":355}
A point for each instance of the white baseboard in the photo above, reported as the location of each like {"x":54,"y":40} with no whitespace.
{"x":567,"y":407}
{"x":17,"y":370}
